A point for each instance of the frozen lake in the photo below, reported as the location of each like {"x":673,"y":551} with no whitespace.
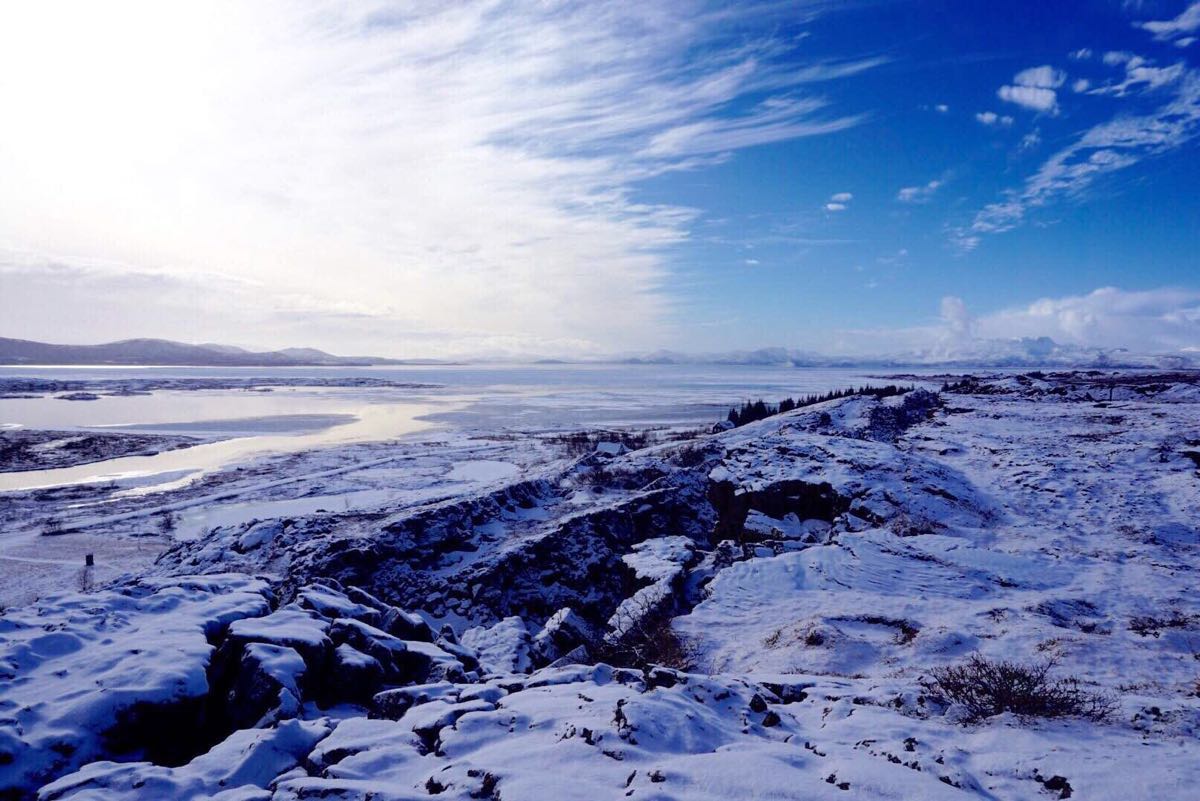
{"x":238,"y":424}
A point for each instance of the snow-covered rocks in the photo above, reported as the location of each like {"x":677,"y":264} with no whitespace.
{"x":565,"y":633}
{"x":86,"y":676}
{"x":237,"y":769}
{"x":161,"y":668}
{"x":290,"y":627}
{"x":820,"y":563}
{"x":502,"y":647}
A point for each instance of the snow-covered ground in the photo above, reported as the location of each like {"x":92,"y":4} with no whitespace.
{"x":481,"y":618}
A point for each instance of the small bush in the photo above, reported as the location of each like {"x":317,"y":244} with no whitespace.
{"x":85,"y":579}
{"x":1149,"y":626}
{"x":987,"y":687}
{"x":166,"y":522}
{"x":906,"y":631}
{"x":581,"y":443}
{"x":648,"y":640}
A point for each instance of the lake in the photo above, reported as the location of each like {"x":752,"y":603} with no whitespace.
{"x":239,"y":424}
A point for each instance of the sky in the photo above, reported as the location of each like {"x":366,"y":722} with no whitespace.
{"x":582,"y":179}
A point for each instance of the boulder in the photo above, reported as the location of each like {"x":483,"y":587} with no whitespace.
{"x":563,"y":633}
{"x":290,"y":626}
{"x":266,"y":687}
{"x":355,"y":676}
{"x":388,"y":651}
{"x":405,"y":625}
{"x":392,"y":704}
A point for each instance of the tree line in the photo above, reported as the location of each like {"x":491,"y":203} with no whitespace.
{"x":751,"y":411}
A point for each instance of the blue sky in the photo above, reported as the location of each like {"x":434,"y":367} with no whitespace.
{"x":507,"y":178}
{"x":929,"y":156}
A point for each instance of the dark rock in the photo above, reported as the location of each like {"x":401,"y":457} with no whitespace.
{"x":1058,"y":784}
{"x":355,"y":676}
{"x":331,"y":604}
{"x":468,"y":658}
{"x":808,"y":501}
{"x":390,"y":652}
{"x":562,"y":633}
{"x":289,"y":626}
{"x":665,"y":677}
{"x":267,"y":686}
{"x":577,"y":656}
{"x":405,"y":625}
{"x":788,"y":693}
{"x":392,"y":704}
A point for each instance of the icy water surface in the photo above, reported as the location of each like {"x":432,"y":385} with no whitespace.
{"x":239,"y":424}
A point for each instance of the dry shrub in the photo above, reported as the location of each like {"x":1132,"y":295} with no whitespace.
{"x":986,"y":687}
{"x":648,"y":640}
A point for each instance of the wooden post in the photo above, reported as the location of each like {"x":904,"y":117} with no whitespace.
{"x":89,"y":560}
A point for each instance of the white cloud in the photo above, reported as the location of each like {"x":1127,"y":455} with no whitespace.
{"x":1187,"y":22}
{"x":1031,"y":97}
{"x":1155,"y":320}
{"x":992,"y":118}
{"x":426,"y":177}
{"x":838,"y":201}
{"x":1080,"y":85}
{"x":942,"y":108}
{"x":1139,"y":75}
{"x":964,"y":242}
{"x":1045,"y":77}
{"x":1152,"y":321}
{"x":956,"y":318}
{"x":918,"y":194}
{"x":752,"y":262}
{"x":1186,"y":41}
{"x":1103,"y":149}
{"x":1034,"y":88}
{"x":1082,"y":54}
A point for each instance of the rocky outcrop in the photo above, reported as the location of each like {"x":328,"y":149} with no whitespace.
{"x":165,"y":668}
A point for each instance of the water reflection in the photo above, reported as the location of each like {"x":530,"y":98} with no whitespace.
{"x":178,"y":467}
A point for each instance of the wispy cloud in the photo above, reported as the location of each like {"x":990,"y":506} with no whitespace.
{"x":839,"y":201}
{"x":1140,"y":75}
{"x":1102,"y":149}
{"x":1188,"y":22}
{"x":467,"y":167}
{"x":918,"y":194}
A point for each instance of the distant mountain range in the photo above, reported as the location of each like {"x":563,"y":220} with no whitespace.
{"x":164,"y":352}
{"x":1022,"y":353}
{"x":1026,"y":353}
